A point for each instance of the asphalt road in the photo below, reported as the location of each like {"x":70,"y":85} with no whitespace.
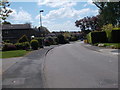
{"x":74,"y":66}
{"x":27,"y":72}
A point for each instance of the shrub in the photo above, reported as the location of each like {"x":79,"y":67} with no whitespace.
{"x":8,"y":47}
{"x":107,"y":27}
{"x":73,"y":38}
{"x":56,"y":40}
{"x":19,"y":46}
{"x":61,"y":39}
{"x":23,"y":46}
{"x":115,"y":36}
{"x":46,"y":43}
{"x":97,"y":37}
{"x":34,"y":44}
{"x":109,"y":35}
{"x":51,"y":41}
{"x":40,"y":42}
{"x":23,"y":39}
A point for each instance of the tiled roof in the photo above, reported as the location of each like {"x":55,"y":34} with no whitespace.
{"x":15,"y":26}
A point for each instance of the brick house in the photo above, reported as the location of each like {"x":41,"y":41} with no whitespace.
{"x":13,"y":32}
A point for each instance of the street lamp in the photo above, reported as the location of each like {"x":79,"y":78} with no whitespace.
{"x":41,"y":18}
{"x":41,"y":26}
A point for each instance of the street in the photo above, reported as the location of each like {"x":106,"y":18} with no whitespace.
{"x":26,"y":72}
{"x":74,"y":66}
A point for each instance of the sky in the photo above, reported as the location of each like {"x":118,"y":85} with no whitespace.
{"x":58,"y":15}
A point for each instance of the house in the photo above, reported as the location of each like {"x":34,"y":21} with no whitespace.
{"x":13,"y":32}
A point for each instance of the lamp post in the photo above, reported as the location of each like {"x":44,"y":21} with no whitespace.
{"x":41,"y":26}
{"x":41,"y":18}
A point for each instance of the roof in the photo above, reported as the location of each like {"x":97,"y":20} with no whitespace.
{"x":15,"y":26}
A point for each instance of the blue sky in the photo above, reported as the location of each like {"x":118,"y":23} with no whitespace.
{"x":58,"y":15}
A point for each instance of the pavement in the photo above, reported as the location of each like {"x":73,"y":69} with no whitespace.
{"x":77,"y":66}
{"x":24,"y":72}
{"x":103,"y":50}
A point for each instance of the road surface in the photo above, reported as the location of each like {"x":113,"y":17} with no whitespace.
{"x":74,"y":66}
{"x":26,"y":72}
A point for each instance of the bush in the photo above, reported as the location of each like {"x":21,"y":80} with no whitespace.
{"x":73,"y":38}
{"x":113,"y":35}
{"x":56,"y":40}
{"x":23,"y":39}
{"x":34,"y":44}
{"x":109,"y":35}
{"x":107,"y":27}
{"x":61,"y":39}
{"x":8,"y":47}
{"x":97,"y":37}
{"x":51,"y":40}
{"x":47,"y":43}
{"x":23,"y":46}
{"x":40,"y":42}
{"x":67,"y":41}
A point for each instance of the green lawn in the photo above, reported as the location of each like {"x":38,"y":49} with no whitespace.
{"x":111,"y":45}
{"x":15,"y":53}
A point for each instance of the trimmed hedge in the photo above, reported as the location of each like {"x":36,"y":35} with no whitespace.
{"x":23,"y":46}
{"x":97,"y":37}
{"x":115,"y":36}
{"x":8,"y":47}
{"x":107,"y":36}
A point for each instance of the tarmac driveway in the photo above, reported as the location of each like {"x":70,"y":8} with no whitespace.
{"x":25,"y":72}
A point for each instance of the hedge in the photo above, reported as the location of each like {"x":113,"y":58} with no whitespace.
{"x":8,"y":47}
{"x":97,"y":37}
{"x":107,"y":36}
{"x":115,"y":36}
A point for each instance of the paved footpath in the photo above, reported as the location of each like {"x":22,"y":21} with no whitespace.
{"x":26,"y":72}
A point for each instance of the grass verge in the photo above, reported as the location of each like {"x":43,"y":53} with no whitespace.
{"x":110,"y":45}
{"x":15,"y":53}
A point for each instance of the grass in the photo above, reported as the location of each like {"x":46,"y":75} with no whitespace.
{"x":111,"y":45}
{"x":15,"y":53}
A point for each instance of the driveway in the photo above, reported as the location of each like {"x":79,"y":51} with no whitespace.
{"x":25,"y":72}
{"x":74,"y":66}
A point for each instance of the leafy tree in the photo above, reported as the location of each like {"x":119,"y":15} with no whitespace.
{"x":88,"y":23}
{"x":109,"y":12}
{"x":4,"y":11}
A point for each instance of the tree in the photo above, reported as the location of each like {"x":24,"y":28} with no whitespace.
{"x":4,"y":11}
{"x":109,"y":12}
{"x":88,"y":23}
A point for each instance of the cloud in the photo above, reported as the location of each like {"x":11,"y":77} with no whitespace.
{"x":56,"y":3}
{"x":67,"y":12}
{"x":20,"y":16}
{"x":65,"y":26}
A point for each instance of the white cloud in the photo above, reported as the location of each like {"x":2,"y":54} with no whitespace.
{"x":67,"y":12}
{"x":20,"y":16}
{"x":65,"y":26}
{"x":56,"y":3}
